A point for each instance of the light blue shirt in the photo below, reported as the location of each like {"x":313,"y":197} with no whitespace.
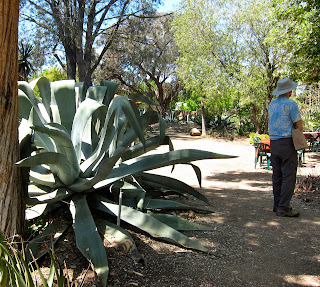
{"x":283,"y":112}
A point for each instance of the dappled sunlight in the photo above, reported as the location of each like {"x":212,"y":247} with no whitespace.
{"x":316,"y":221}
{"x":303,"y":280}
{"x":252,"y":224}
{"x":273,"y":223}
{"x":219,"y":219}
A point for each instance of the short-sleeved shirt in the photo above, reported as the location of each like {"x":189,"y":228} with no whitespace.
{"x":283,"y":112}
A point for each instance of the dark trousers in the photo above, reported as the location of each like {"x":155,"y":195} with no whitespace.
{"x":284,"y":163}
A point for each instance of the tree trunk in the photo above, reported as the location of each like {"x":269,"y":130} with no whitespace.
{"x":203,"y":121}
{"x":11,"y":194}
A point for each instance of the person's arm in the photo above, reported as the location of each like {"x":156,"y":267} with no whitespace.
{"x":299,"y":125}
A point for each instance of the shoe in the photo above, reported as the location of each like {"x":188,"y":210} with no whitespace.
{"x":287,"y":213}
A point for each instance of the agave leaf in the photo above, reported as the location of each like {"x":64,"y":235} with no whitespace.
{"x":54,"y":196}
{"x":164,"y":204}
{"x":66,"y":173}
{"x":84,"y":112}
{"x":139,"y":149}
{"x":45,"y":91}
{"x":39,"y":245}
{"x":172,"y":183}
{"x":35,"y":211}
{"x":82,"y":184}
{"x":97,"y":93}
{"x":130,"y":111}
{"x":80,"y":93}
{"x":87,"y":237}
{"x":107,"y":135}
{"x":147,"y":118}
{"x":151,"y":225}
{"x":179,"y":223}
{"x":120,"y":234}
{"x":122,"y":238}
{"x":44,"y":179}
{"x":153,"y":161}
{"x":111,"y":89}
{"x":24,"y":105}
{"x":62,"y":142}
{"x":63,"y":103}
{"x":36,"y":104}
{"x":141,"y":98}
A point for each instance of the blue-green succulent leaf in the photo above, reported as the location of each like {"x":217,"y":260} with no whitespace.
{"x":39,"y":107}
{"x":62,"y":142}
{"x":45,"y":91}
{"x":153,"y":161}
{"x":63,"y":103}
{"x":151,"y":225}
{"x":179,"y":223}
{"x":83,"y":114}
{"x":65,"y":170}
{"x":88,"y":239}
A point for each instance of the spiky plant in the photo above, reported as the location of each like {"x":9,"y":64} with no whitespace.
{"x":89,"y":153}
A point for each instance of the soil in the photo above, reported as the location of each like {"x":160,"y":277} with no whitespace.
{"x":253,"y":246}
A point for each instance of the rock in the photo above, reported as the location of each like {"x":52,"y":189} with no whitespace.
{"x":195,"y":132}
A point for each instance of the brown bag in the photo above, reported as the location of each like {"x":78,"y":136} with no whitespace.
{"x":299,"y":139}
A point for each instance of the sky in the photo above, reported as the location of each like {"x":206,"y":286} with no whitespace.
{"x":169,"y":5}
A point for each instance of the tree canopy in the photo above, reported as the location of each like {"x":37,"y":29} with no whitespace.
{"x":76,"y":26}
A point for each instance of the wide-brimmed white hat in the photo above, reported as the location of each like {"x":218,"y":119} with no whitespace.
{"x":284,"y":86}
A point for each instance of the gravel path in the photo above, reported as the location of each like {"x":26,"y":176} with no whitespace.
{"x":255,"y":247}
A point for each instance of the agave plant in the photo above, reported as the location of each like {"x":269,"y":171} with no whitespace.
{"x":89,"y":152}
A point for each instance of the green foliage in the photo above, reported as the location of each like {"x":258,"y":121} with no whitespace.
{"x":52,"y":74}
{"x":297,"y":23}
{"x":16,"y":271}
{"x":257,"y":137}
{"x":90,"y":155}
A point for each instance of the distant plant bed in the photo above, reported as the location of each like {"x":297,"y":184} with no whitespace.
{"x":87,"y":151}
{"x":256,"y":136}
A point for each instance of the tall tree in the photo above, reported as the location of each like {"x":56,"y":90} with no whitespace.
{"x":143,"y":59}
{"x":224,"y":53}
{"x":297,"y":24}
{"x":77,"y":25}
{"x":11,"y":195}
{"x":208,"y":53}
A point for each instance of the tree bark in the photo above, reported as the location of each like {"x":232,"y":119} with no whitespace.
{"x":11,"y":193}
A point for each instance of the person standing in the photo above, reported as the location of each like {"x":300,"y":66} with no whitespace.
{"x":284,"y":115}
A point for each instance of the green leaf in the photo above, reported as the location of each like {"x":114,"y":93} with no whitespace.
{"x":105,"y":167}
{"x":179,"y":223}
{"x":124,"y":104}
{"x":151,"y":225}
{"x":83,"y":114}
{"x":172,"y":183}
{"x":35,"y":211}
{"x":164,"y":204}
{"x":97,"y":93}
{"x":62,"y":142}
{"x":63,"y":103}
{"x":153,"y":161}
{"x":45,"y":91}
{"x":54,"y":196}
{"x":111,"y":89}
{"x":65,"y":170}
{"x":40,"y":109}
{"x":141,"y":98}
{"x":40,"y":245}
{"x":87,"y":237}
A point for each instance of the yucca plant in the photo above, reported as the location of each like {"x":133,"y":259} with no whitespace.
{"x":88,"y":152}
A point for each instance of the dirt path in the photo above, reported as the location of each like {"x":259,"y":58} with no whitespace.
{"x":256,"y":247}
